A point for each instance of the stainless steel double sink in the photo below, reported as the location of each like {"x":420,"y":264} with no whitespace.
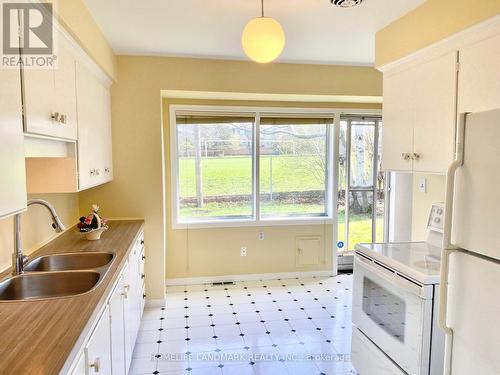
{"x":56,"y":276}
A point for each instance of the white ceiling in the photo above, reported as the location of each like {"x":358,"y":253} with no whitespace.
{"x":316,"y":31}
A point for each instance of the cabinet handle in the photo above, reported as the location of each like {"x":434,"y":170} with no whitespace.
{"x":405,"y":156}
{"x":143,"y":257}
{"x":126,"y":287}
{"x":124,"y":294}
{"x":56,"y":116}
{"x":63,"y":119}
{"x":142,"y":242}
{"x":96,"y":365}
{"x":143,"y":295}
{"x":415,"y":156}
{"x":92,"y":172}
{"x":106,"y":170}
{"x":142,"y":276}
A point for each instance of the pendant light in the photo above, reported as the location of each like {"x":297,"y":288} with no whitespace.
{"x":263,"y":38}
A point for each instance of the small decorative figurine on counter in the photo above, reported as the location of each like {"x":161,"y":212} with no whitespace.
{"x":92,"y":225}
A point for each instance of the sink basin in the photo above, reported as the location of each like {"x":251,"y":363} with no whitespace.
{"x":43,"y":285}
{"x":68,"y":262}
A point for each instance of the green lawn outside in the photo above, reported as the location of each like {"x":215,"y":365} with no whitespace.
{"x":232,"y":175}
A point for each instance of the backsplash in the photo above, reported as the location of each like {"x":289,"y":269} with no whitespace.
{"x":36,"y":225}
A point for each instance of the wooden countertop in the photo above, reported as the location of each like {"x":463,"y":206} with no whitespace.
{"x":36,"y":337}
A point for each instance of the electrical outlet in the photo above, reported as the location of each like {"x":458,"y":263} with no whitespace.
{"x":243,"y":251}
{"x":261,"y":236}
{"x":422,"y":185}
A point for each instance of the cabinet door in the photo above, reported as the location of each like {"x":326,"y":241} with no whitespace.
{"x":435,"y":114}
{"x":98,"y":349}
{"x":479,"y":78}
{"x":12,"y":169}
{"x":398,"y":120}
{"x":80,"y":367}
{"x":117,"y":322}
{"x":65,"y":94}
{"x":107,"y":158}
{"x":133,"y":302}
{"x":48,"y":92}
{"x":40,"y":101}
{"x":89,"y":94}
{"x":94,"y":130}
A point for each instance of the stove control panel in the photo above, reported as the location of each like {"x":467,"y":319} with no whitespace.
{"x":436,"y":218}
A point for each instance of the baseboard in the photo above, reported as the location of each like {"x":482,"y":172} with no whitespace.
{"x":155,"y":302}
{"x":246,"y":277}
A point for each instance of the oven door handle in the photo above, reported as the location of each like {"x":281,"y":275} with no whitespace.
{"x":422,"y":291}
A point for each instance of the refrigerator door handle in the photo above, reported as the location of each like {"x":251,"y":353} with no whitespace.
{"x":448,"y":247}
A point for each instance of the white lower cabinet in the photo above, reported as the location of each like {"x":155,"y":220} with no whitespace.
{"x":81,"y":366}
{"x":117,"y":325}
{"x":133,"y":304}
{"x":98,"y":348}
{"x":110,"y":346}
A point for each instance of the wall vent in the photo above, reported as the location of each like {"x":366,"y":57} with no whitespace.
{"x":219,"y":283}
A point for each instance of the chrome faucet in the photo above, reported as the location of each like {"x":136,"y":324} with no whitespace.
{"x":19,"y":260}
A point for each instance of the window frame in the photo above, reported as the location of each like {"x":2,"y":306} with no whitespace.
{"x":257,"y":113}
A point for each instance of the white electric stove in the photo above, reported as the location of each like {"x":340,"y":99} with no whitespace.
{"x":396,"y":288}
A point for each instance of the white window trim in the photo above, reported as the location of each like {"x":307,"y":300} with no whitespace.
{"x":257,"y":221}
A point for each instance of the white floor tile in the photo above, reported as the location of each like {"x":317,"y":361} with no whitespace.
{"x":174,"y":334}
{"x":142,"y":366}
{"x":145,"y":350}
{"x":148,"y":336}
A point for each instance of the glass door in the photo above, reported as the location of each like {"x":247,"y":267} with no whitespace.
{"x":361,"y":184}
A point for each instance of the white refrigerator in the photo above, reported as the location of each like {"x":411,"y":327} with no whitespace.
{"x":470,"y":270}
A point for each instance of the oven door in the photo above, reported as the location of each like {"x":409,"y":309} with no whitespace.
{"x":393,"y":312}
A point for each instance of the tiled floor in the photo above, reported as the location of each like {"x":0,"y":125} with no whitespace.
{"x":288,"y":326}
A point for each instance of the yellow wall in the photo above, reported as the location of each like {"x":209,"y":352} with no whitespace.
{"x":422,"y":202}
{"x":36,"y":225}
{"x":197,"y":252}
{"x":77,"y":20}
{"x":431,"y":22}
{"x":137,"y":190}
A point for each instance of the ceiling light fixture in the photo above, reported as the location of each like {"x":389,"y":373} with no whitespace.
{"x":346,"y":3}
{"x":263,"y":38}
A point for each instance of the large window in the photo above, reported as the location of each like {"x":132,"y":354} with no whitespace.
{"x":234,"y":167}
{"x":215,"y":167}
{"x":293,"y":167}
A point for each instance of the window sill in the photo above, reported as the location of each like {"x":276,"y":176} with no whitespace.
{"x":254,"y":223}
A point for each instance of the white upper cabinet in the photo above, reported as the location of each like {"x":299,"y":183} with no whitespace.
{"x":419,"y":114}
{"x":479,"y":78}
{"x":398,"y":121}
{"x":12,"y":170}
{"x":95,"y":164}
{"x":50,"y":97}
{"x":435,"y":114}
